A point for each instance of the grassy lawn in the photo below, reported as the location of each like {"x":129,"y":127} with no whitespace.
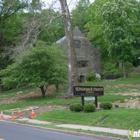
{"x":116,"y":118}
{"x":59,"y":101}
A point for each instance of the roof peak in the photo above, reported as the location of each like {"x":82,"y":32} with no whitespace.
{"x":77,"y":32}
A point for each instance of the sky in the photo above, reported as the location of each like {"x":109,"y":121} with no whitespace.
{"x":67,"y":0}
{"x":57,"y":4}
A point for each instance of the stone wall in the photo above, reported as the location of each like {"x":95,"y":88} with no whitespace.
{"x":88,"y":57}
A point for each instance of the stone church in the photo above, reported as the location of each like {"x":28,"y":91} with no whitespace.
{"x":88,"y":56}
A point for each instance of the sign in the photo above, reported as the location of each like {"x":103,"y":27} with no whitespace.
{"x":88,"y":90}
{"x":89,"y":98}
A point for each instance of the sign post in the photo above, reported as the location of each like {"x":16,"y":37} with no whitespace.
{"x":88,"y":91}
{"x":82,"y":98}
{"x":96,"y":101}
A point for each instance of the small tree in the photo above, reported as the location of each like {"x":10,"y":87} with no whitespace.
{"x":91,"y":76}
{"x":41,"y":67}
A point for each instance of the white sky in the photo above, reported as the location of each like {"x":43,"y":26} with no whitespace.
{"x":57,"y":4}
{"x":67,"y":0}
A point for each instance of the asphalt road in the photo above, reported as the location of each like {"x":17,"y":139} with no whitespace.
{"x":12,"y":131}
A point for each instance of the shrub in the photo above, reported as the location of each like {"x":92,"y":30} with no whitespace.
{"x":111,"y":71}
{"x":89,"y":107}
{"x":91,"y":77}
{"x":71,"y":107}
{"x":106,"y":105}
{"x":76,"y":107}
{"x":129,"y":68}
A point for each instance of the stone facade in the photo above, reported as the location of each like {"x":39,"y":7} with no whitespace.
{"x":88,"y":57}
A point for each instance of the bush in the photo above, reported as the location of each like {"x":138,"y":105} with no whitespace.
{"x":90,"y":107}
{"x":111,"y":71}
{"x":91,"y":77}
{"x":76,"y":107}
{"x":106,"y":105}
{"x":71,"y":107}
{"x":129,"y":68}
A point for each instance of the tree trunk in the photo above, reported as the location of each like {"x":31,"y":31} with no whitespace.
{"x":0,"y":86}
{"x":124,"y":70}
{"x":57,"y":87}
{"x":42,"y":91}
{"x":72,"y":60}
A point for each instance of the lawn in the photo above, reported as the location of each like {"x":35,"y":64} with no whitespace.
{"x":113,"y":91}
{"x":116,"y":118}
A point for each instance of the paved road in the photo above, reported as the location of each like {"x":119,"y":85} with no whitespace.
{"x":12,"y":131}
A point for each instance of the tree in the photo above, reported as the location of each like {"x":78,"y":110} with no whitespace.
{"x":40,"y":23}
{"x":55,"y":30}
{"x":117,"y":22}
{"x":136,"y":42}
{"x":72,"y":61}
{"x":119,"y":19}
{"x":41,"y":67}
{"x":10,"y":27}
{"x":95,"y":34}
{"x":80,"y":15}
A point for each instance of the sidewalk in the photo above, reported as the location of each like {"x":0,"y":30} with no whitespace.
{"x":73,"y":126}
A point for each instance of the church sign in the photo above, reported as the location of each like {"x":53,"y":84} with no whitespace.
{"x":88,"y":90}
{"x":94,"y":91}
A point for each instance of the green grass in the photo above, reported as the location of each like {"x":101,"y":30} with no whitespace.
{"x":39,"y":102}
{"x":132,"y":80}
{"x":13,"y":93}
{"x":59,"y":101}
{"x":118,"y":86}
{"x":115,"y":118}
{"x":114,"y":98}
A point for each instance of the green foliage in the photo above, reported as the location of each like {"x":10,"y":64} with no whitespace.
{"x":71,"y":107}
{"x":80,"y":15}
{"x":55,"y":30}
{"x":91,"y":76}
{"x":89,"y":107}
{"x":10,"y":28}
{"x":114,"y":26}
{"x":106,"y":105}
{"x":44,"y":65}
{"x":129,"y":67}
{"x":76,"y":107}
{"x":111,"y":71}
{"x":95,"y":34}
{"x":117,"y":27}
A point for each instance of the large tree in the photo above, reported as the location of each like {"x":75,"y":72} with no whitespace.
{"x":41,"y":67}
{"x":80,"y":15}
{"x":116,"y":24}
{"x":95,"y":34}
{"x":72,"y":60}
{"x":10,"y":28}
{"x":119,"y":19}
